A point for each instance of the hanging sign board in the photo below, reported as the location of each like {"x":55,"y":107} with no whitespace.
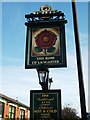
{"x":45,"y":105}
{"x":45,"y":45}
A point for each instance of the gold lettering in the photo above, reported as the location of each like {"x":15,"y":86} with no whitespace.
{"x":45,"y":95}
{"x":44,"y":111}
{"x":51,"y":111}
{"x":45,"y":62}
{"x":42,"y":107}
{"x":40,"y":58}
{"x":55,"y":111}
{"x":45,"y":114}
{"x":34,"y":62}
{"x":44,"y":99}
{"x":47,"y":102}
{"x":37,"y":111}
{"x":49,"y":58}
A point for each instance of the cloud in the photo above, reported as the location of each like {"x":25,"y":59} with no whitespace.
{"x":17,"y":81}
{"x":83,"y":37}
{"x":12,"y":59}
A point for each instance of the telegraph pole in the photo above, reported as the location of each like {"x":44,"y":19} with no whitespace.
{"x":79,"y":65}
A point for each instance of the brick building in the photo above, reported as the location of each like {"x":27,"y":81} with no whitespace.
{"x":13,"y":109}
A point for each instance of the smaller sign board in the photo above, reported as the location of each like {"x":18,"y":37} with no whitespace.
{"x":45,"y":105}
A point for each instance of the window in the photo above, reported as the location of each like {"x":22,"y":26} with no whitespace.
{"x":1,"y":109}
{"x":22,"y":114}
{"x":11,"y":112}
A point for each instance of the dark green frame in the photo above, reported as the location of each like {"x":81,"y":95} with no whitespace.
{"x":32,"y":103}
{"x":62,"y":57}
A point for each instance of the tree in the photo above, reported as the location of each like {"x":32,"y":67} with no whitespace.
{"x":69,"y":113}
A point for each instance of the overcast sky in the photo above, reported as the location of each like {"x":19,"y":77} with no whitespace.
{"x":16,"y":81}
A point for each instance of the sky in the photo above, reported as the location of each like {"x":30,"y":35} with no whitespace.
{"x":16,"y":81}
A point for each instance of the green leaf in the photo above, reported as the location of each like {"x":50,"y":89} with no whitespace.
{"x":38,"y":49}
{"x":35,"y":37}
{"x":51,"y":50}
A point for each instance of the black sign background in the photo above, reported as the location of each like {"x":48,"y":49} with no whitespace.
{"x":45,"y":104}
{"x":47,"y":61}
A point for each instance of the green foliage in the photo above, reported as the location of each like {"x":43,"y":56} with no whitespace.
{"x":38,"y":49}
{"x":51,"y":50}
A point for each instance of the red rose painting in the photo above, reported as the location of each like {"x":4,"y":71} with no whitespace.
{"x":45,"y":41}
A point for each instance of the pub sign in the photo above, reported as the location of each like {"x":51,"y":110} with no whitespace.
{"x":45,"y":44}
{"x":45,"y":105}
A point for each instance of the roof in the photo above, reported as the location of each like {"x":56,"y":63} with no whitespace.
{"x":10,"y":100}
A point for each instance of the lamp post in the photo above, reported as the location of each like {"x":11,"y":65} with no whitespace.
{"x":43,"y":75}
{"x":79,"y":65}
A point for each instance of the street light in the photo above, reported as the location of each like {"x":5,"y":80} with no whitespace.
{"x":43,"y":75}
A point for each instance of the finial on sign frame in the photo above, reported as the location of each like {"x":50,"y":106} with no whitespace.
{"x":45,"y":8}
